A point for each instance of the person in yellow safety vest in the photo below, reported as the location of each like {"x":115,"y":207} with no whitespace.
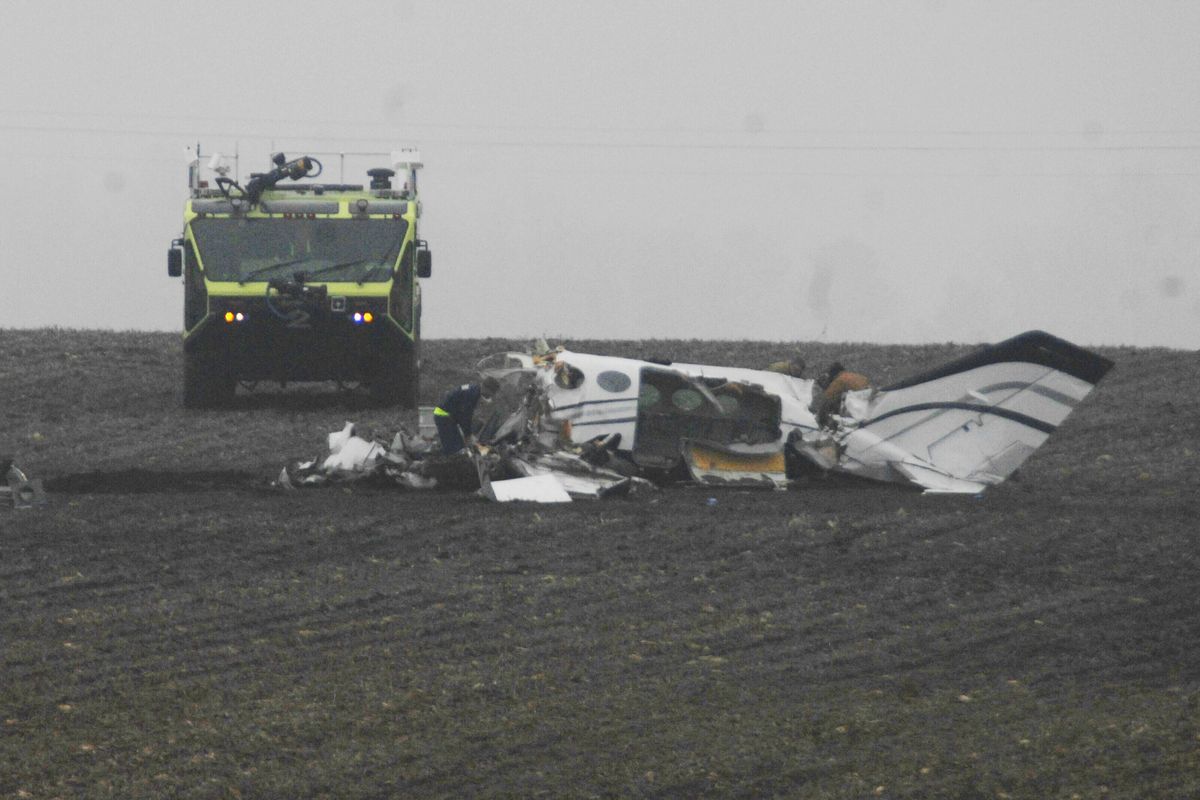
{"x":834,"y":384}
{"x":454,"y":414}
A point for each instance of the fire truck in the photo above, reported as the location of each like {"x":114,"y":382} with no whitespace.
{"x":286,"y":279}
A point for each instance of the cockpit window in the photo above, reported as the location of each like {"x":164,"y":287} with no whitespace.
{"x":648,"y":395}
{"x":687,"y":399}
{"x":729,"y":404}
{"x":672,"y":407}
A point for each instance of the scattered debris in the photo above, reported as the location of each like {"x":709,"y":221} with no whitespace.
{"x":502,"y":472}
{"x":19,"y":490}
{"x":408,"y":461}
{"x":539,"y":489}
{"x":600,"y":425}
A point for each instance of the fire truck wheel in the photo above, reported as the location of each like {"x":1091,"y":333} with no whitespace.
{"x":205,"y":383}
{"x":396,"y":382}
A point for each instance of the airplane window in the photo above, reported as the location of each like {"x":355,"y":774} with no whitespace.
{"x":566,"y":376}
{"x":648,"y":395}
{"x":612,"y":381}
{"x":687,"y":399}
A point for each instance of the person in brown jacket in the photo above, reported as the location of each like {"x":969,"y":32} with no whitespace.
{"x":834,"y":384}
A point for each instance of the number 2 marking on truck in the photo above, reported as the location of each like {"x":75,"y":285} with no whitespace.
{"x":298,"y":318}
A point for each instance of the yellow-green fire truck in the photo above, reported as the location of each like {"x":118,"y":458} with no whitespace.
{"x":288,"y":280}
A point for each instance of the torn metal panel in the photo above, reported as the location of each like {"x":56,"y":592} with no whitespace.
{"x":578,"y":477}
{"x":20,"y":490}
{"x":537,"y":489}
{"x":795,"y":395}
{"x":510,"y":415}
{"x":354,"y":455}
{"x":714,"y":465}
{"x":821,"y":450}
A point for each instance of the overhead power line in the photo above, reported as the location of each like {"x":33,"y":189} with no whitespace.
{"x":558,"y":128}
{"x":625,"y":145}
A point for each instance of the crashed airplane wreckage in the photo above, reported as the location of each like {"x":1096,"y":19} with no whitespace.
{"x":571,"y":424}
{"x":18,"y":490}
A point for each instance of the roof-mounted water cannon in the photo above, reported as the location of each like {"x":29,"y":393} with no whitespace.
{"x":260,"y":182}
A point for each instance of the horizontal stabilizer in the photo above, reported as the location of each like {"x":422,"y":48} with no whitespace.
{"x":974,"y":420}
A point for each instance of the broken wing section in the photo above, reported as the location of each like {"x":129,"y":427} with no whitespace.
{"x":971,"y":423}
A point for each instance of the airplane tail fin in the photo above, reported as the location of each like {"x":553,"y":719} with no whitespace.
{"x":971,"y":423}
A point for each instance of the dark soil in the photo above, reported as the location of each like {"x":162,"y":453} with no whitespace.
{"x":174,"y":627}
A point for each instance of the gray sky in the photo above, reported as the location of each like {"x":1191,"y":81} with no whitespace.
{"x":863,"y":171}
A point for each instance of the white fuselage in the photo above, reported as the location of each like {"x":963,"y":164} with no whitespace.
{"x":605,"y":398}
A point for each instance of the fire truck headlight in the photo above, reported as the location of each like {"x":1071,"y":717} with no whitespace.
{"x":229,"y":316}
{"x":358,"y":318}
{"x":368,"y":317}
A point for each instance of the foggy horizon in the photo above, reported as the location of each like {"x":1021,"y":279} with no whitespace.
{"x":846,"y":172}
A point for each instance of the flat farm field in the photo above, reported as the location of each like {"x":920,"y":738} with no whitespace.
{"x":172,"y":626}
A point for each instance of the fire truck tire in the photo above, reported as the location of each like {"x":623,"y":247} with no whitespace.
{"x":396,"y":381}
{"x":205,"y":383}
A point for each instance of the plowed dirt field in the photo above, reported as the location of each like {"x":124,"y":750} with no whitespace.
{"x":172,"y":626}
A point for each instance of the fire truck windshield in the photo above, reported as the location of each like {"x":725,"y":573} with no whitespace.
{"x":242,"y":249}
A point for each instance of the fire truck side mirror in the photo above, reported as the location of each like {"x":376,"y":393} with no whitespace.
{"x":174,"y":262}
{"x":424,"y":263}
